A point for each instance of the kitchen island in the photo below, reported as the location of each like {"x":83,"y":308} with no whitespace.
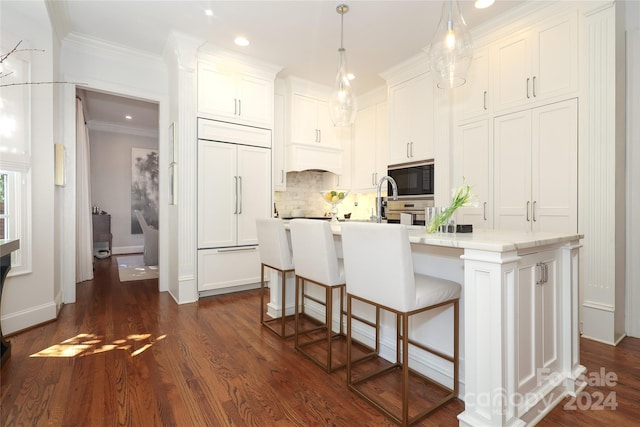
{"x":520,"y":352}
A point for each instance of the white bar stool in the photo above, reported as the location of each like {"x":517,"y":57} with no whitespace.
{"x":275,"y":253}
{"x":379,"y":272}
{"x":317,"y":263}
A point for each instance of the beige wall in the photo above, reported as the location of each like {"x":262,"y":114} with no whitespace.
{"x":111,"y":182}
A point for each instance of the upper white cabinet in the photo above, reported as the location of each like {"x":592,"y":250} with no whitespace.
{"x":310,"y":122}
{"x":311,"y":139}
{"x":279,"y":152}
{"x":535,"y":162}
{"x":369,"y":147}
{"x":472,"y":161}
{"x":411,"y":126}
{"x":473,"y":98}
{"x":539,"y":64}
{"x":235,"y":92}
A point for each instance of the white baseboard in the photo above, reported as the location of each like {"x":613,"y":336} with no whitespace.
{"x":118,"y":250}
{"x":25,"y":319}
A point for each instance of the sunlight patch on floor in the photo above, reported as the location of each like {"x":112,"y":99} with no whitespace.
{"x":87,"y":344}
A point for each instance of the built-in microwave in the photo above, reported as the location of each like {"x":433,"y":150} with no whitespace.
{"x":414,"y":180}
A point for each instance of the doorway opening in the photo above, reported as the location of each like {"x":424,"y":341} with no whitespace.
{"x":122,"y":177}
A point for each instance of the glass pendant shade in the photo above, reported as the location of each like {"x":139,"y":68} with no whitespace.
{"x":451,"y":49}
{"x":343,"y":106}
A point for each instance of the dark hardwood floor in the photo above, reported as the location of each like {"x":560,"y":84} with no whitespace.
{"x":126,"y":355}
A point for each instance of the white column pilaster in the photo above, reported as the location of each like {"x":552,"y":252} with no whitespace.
{"x":181,"y":52}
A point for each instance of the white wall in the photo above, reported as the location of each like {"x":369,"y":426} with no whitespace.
{"x":32,"y":298}
{"x":111,"y":183}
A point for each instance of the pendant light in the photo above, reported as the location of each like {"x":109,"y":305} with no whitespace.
{"x":342,"y":103}
{"x":451,"y":49}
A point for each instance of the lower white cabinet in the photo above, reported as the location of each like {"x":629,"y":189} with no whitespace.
{"x":234,"y":189}
{"x":228,"y":267}
{"x":537,"y":303}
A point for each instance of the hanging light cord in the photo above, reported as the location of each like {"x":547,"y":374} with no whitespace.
{"x":342,"y":11}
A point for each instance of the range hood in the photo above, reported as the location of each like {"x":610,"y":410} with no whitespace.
{"x":301,"y":157}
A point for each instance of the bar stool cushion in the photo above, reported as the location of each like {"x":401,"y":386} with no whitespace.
{"x":432,"y":290}
{"x":274,"y":245}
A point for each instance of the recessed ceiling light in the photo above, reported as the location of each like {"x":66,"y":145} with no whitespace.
{"x":208,"y":12}
{"x":481,"y":4}
{"x":241,"y":41}
{"x":128,"y":117}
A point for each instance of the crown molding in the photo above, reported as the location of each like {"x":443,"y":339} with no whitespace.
{"x":122,"y":129}
{"x":87,"y":43}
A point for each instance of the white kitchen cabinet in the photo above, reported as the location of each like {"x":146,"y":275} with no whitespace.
{"x":472,"y":159}
{"x":411,"y":125}
{"x":311,"y":124}
{"x":344,"y":179}
{"x":234,"y":189}
{"x":535,"y":162}
{"x":537,"y":302}
{"x":369,"y":147}
{"x":279,"y":151}
{"x":473,"y":98}
{"x":226,"y":93}
{"x":223,"y":268}
{"x":540,"y":64}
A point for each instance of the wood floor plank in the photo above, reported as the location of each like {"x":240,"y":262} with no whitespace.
{"x":144,"y":360}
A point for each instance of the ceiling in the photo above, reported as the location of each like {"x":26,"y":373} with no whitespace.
{"x":300,"y":36}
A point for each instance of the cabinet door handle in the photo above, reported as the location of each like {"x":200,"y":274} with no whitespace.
{"x":485,"y":100}
{"x":534,"y":86}
{"x":319,"y":135}
{"x":411,"y":149}
{"x":282,"y":176}
{"x":338,"y":181}
{"x":484,"y":211}
{"x":528,"y":79}
{"x":239,"y":107}
{"x":240,"y":194}
{"x":235,"y":106}
{"x":533,"y":211}
{"x":543,"y":275}
{"x":539,"y":273}
{"x":528,"y":203}
{"x":235,"y":187}
{"x":250,"y":248}
{"x":407,"y":149}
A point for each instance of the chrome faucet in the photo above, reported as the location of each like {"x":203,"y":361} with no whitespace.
{"x":379,"y":195}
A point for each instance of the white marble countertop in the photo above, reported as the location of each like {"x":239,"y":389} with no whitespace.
{"x":8,"y":246}
{"x":487,"y":240}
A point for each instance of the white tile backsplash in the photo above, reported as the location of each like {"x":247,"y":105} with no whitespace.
{"x":303,"y":192}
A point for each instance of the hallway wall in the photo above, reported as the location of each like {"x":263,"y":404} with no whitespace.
{"x":111,"y":182}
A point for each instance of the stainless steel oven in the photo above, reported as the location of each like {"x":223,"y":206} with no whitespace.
{"x":414,"y":180}
{"x":415,"y":208}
